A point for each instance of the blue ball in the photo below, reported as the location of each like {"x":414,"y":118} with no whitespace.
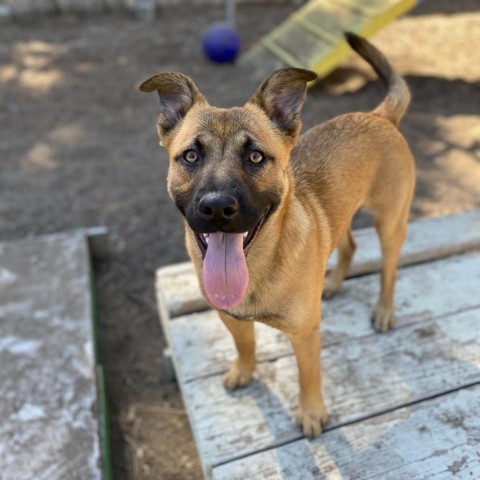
{"x":221,"y":42}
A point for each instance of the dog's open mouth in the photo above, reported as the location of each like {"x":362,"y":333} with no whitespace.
{"x":225,"y":273}
{"x":248,"y":237}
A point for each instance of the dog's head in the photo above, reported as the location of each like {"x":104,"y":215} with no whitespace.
{"x":228,"y":167}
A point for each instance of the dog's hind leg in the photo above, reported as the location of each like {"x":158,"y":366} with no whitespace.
{"x":345,"y":250}
{"x":241,"y":370}
{"x":391,"y":231}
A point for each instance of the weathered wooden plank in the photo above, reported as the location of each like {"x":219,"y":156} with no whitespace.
{"x":49,"y":399}
{"x":178,"y":292}
{"x":203,"y":346}
{"x":372,"y":375}
{"x":437,"y":439}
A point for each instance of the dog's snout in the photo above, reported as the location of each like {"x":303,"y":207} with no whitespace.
{"x":217,"y":207}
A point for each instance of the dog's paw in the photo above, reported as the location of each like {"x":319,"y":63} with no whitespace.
{"x":331,"y":287}
{"x":312,"y":420}
{"x":383,"y":319}
{"x":238,"y":376}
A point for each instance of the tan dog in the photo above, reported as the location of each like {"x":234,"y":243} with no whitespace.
{"x":264,"y":211}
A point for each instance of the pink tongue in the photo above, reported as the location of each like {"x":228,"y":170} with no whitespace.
{"x":225,"y":272}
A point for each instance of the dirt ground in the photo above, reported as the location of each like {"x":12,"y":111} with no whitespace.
{"x":78,"y":148}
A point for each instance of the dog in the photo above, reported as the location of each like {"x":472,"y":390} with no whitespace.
{"x":264,"y":207}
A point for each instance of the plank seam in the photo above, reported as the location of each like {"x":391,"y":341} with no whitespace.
{"x":354,"y":421}
{"x":341,"y":342}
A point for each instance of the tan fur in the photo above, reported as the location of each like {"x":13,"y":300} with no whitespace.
{"x":335,"y":168}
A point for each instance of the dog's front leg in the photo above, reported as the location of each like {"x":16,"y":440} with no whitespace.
{"x":241,"y":370}
{"x":311,"y":413}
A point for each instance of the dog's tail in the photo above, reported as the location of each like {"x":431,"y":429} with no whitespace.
{"x":396,"y":102}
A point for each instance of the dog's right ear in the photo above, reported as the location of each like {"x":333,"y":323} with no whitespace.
{"x":178,"y":93}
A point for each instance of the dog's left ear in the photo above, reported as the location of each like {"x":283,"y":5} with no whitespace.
{"x":281,"y":96}
{"x":178,"y":93}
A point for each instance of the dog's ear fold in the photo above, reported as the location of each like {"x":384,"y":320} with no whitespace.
{"x":281,"y":96}
{"x":178,"y":93}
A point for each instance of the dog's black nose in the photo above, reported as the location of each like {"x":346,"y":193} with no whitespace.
{"x":219,"y":208}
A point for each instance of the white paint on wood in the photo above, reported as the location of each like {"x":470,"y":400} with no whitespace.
{"x":361,"y":378}
{"x":49,"y":428}
{"x":203,"y":346}
{"x":428,"y":239}
{"x":437,"y":439}
{"x":6,"y":276}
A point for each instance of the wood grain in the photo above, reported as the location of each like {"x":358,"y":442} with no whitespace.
{"x":436,"y":439}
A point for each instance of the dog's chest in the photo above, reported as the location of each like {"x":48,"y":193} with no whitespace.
{"x":252,"y":311}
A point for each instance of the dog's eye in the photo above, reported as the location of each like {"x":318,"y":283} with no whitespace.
{"x":190,"y":156}
{"x":255,"y":157}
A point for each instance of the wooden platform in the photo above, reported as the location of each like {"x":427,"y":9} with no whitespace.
{"x":402,"y":405}
{"x":52,"y":409}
